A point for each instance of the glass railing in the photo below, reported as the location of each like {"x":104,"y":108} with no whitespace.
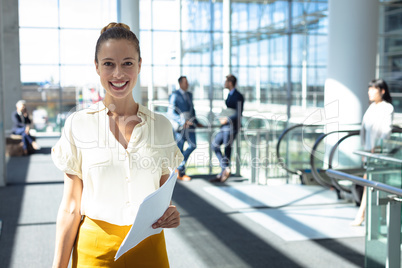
{"x":383,"y":213}
{"x":383,"y":228}
{"x":253,"y":155}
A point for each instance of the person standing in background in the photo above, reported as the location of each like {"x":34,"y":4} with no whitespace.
{"x":230,"y":126}
{"x":376,"y":126}
{"x":182,"y":116}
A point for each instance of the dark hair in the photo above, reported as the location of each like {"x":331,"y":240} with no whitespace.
{"x":117,"y":31}
{"x":231,"y":78}
{"x":380,"y":84}
{"x":181,"y":78}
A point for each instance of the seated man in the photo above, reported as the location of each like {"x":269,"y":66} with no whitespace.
{"x":182,"y":115}
{"x":21,"y":126}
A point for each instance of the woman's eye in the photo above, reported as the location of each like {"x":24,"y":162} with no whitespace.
{"x":108,"y":63}
{"x":128,"y":63}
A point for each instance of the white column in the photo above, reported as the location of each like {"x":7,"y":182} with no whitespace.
{"x":129,"y":13}
{"x":352,"y":49}
{"x":11,"y":58}
{"x":352,"y":46}
{"x":10,"y":90}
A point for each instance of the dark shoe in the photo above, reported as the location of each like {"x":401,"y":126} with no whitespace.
{"x":183,"y":178}
{"x":215,"y":180}
{"x":225,"y":174}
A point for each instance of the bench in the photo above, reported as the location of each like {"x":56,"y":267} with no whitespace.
{"x":14,"y":145}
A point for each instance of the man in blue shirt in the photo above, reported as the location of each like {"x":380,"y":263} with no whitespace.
{"x":182,"y":115}
{"x":230,"y":126}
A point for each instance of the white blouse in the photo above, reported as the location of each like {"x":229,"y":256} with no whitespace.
{"x":376,"y":124}
{"x":115,"y":179}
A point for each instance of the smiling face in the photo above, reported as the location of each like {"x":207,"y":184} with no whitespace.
{"x":118,"y":67}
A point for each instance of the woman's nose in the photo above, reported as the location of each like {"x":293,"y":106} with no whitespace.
{"x":118,"y":72}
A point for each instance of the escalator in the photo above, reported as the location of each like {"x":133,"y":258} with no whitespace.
{"x":293,"y":150}
{"x":313,"y":171}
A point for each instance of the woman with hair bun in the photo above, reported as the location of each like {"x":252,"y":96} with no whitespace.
{"x":113,"y":154}
{"x":376,"y":126}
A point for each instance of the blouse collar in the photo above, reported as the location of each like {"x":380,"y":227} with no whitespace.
{"x":100,"y":107}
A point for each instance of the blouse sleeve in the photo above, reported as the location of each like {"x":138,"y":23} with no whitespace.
{"x":172,"y":160}
{"x":172,"y":157}
{"x":65,"y":155}
{"x":386,"y":128}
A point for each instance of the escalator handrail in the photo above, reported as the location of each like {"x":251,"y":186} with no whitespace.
{"x":296,"y":172}
{"x":395,"y":129}
{"x":314,"y":172}
{"x":331,"y":157}
{"x":278,"y":144}
{"x":363,"y":182}
{"x":316,"y":175}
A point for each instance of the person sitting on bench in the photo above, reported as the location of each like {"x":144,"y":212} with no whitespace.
{"x":21,"y":126}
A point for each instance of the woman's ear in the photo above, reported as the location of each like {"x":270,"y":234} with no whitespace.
{"x":97,"y":67}
{"x":139,"y":65}
{"x":382,"y":92}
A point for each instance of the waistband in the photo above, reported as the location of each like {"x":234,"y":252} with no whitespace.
{"x":88,"y":223}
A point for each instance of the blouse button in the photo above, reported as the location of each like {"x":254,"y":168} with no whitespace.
{"x":128,"y":203}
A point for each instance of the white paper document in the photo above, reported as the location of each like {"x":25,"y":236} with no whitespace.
{"x":151,"y":209}
{"x":227,"y":112}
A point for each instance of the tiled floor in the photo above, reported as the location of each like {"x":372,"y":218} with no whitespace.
{"x":293,"y":212}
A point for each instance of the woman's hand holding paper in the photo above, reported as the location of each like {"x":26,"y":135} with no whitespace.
{"x":170,"y":219}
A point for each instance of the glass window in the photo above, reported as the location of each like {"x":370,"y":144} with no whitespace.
{"x":146,"y":14}
{"x":317,"y":48}
{"x":165,"y":47}
{"x":279,"y":14}
{"x":247,"y":82}
{"x":239,"y":14}
{"x":264,"y":82}
{"x":254,"y":21}
{"x":39,"y":46}
{"x":73,"y":51}
{"x":243,"y":54}
{"x":39,"y":13}
{"x":87,"y":14}
{"x":298,"y":49}
{"x":146,"y":48}
{"x":218,"y":49}
{"x":79,"y":75}
{"x":315,"y":86}
{"x":196,"y":47}
{"x":278,"y":50}
{"x":218,"y":8}
{"x":165,"y":15}
{"x":145,"y":76}
{"x":195,"y":15}
{"x":40,"y":73}
{"x":218,"y":81}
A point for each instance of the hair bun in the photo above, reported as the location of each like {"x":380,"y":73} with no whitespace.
{"x":113,"y":25}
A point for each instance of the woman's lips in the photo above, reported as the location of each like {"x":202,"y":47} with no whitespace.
{"x":119,"y":85}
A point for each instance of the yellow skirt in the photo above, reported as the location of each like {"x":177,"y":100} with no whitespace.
{"x":98,"y":241}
